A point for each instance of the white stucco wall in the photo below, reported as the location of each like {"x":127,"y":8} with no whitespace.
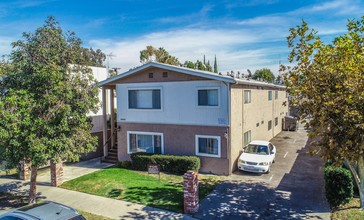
{"x":178,"y":104}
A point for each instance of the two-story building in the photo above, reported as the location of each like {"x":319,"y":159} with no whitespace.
{"x":179,"y":111}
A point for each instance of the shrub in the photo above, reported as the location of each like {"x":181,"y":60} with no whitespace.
{"x":167,"y":163}
{"x":338,"y":186}
{"x":124,"y":164}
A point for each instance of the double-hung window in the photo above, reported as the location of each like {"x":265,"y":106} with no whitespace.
{"x":144,"y":98}
{"x":247,"y":137}
{"x":209,"y":146}
{"x":145,"y":142}
{"x":270,"y":95}
{"x":208,"y":97}
{"x":247,"y":96}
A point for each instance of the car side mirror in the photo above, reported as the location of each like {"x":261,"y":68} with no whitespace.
{"x":272,"y":152}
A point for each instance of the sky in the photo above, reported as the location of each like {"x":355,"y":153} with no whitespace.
{"x":243,"y":34}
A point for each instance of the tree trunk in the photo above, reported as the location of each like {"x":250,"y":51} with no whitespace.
{"x":33,"y":185}
{"x":361,"y":183}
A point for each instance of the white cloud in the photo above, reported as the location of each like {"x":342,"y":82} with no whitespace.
{"x":192,"y":44}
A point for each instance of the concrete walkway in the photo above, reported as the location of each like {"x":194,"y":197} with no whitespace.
{"x":112,"y":208}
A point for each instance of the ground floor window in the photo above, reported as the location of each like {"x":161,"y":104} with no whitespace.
{"x":247,"y":137}
{"x":209,"y":146}
{"x":145,"y":142}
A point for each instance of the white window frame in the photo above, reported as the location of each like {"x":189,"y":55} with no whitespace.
{"x":270,"y":95}
{"x":250,"y":97}
{"x":144,"y":133}
{"x":211,"y":137}
{"x":208,"y":106}
{"x":250,"y":137}
{"x":276,"y":119}
{"x":144,"y":88}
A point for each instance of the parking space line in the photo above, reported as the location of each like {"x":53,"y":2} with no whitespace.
{"x":270,"y":179}
{"x":285,"y":155}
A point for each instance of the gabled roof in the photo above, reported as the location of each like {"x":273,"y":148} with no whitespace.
{"x":193,"y":72}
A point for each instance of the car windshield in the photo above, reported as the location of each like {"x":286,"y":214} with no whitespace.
{"x":256,"y":149}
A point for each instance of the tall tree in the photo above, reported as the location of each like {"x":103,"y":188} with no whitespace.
{"x":327,"y":83}
{"x":93,"y":57}
{"x":160,"y":55}
{"x":44,"y":101}
{"x":265,"y":74}
{"x":215,"y":65}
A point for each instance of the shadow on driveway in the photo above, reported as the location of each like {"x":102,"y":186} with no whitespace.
{"x":299,"y":195}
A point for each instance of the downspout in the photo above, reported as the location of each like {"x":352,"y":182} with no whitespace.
{"x":228,"y":136}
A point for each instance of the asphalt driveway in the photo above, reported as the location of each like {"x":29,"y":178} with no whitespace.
{"x":294,"y":189}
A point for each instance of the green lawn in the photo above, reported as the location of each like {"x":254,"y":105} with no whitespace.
{"x":139,"y":187}
{"x":349,"y":211}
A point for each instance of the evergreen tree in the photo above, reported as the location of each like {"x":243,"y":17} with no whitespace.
{"x":215,"y":65}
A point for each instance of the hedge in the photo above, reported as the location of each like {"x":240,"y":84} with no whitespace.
{"x":167,"y":163}
{"x":338,"y":186}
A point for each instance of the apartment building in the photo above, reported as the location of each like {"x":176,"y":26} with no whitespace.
{"x":179,"y":111}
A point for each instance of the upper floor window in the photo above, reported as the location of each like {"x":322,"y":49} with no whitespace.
{"x":208,"y":97}
{"x":270,"y":95}
{"x":276,"y":94}
{"x":247,"y":96}
{"x":276,"y":121}
{"x":144,"y":99}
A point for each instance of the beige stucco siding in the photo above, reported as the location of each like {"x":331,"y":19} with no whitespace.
{"x":236,"y":123}
{"x":254,"y":116}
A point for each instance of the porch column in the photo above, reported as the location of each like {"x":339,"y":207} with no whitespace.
{"x":104,"y":116}
{"x":112,"y":118}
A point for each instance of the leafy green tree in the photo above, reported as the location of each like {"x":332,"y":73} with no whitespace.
{"x":93,"y":57}
{"x":44,"y":101}
{"x":160,"y":55}
{"x":327,"y":83}
{"x":199,"y":65}
{"x":265,"y":74}
{"x":189,"y":64}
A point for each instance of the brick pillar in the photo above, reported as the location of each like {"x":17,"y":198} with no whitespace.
{"x":56,"y":173}
{"x":24,"y":170}
{"x":190,"y":190}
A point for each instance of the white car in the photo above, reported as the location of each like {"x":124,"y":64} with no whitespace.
{"x":257,"y":157}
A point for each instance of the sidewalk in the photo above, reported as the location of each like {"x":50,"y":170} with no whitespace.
{"x":112,"y":208}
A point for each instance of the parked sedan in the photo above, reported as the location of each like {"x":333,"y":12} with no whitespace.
{"x":257,"y":157}
{"x":43,"y":211}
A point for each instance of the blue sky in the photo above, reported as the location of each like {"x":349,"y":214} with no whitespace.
{"x":244,"y":34}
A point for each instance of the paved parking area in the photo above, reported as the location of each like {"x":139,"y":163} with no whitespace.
{"x":294,"y":189}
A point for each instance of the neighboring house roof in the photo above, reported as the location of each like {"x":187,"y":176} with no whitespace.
{"x":193,"y":72}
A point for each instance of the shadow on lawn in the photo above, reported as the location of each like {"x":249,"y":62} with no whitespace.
{"x":169,"y":198}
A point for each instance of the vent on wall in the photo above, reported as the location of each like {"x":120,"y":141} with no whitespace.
{"x":165,"y":74}
{"x":150,"y":75}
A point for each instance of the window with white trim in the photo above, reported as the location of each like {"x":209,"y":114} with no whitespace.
{"x":269,"y":125}
{"x":145,"y":142}
{"x":270,"y":95}
{"x":247,"y":96}
{"x":209,"y":146}
{"x":276,"y":94}
{"x":208,"y":97}
{"x":144,"y":98}
{"x":276,"y":122}
{"x":247,"y":137}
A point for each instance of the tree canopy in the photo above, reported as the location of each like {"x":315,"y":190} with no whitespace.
{"x":327,"y":85}
{"x":264,"y":74}
{"x":44,"y":100}
{"x":160,"y":55}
